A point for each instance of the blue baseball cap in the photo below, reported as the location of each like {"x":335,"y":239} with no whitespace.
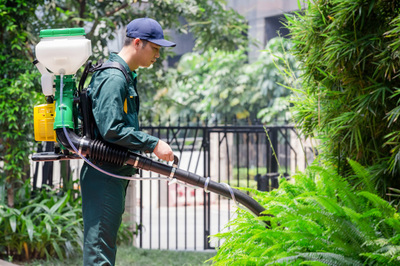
{"x":147,"y":29}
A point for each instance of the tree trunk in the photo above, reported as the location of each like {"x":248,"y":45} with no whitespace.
{"x":10,"y":195}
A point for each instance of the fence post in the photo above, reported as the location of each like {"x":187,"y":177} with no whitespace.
{"x":267,"y":182}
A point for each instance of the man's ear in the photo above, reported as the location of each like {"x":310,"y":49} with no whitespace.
{"x":136,"y":42}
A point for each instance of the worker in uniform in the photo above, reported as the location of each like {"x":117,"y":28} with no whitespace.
{"x":115,"y":107}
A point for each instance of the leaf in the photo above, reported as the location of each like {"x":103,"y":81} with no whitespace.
{"x":30,"y":228}
{"x":13,"y":223}
{"x":57,"y":249}
{"x":60,"y":203}
{"x":378,"y":202}
{"x":313,"y":263}
{"x":363,"y":175}
{"x":322,"y":258}
{"x":299,"y":5}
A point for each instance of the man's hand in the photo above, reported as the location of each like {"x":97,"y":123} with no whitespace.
{"x":163,"y":151}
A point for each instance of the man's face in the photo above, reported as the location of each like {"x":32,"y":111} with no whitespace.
{"x":149,"y":54}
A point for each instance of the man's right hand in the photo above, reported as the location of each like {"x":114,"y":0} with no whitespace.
{"x":163,"y":151}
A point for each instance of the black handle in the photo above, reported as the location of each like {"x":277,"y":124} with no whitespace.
{"x":176,"y":160}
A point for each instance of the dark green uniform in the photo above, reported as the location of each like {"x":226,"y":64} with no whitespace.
{"x":103,"y":196}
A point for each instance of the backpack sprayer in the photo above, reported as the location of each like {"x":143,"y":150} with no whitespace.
{"x":63,"y":52}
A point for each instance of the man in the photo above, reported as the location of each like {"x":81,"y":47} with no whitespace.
{"x":115,"y":105}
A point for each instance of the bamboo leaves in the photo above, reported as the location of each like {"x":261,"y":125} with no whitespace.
{"x":350,"y":57}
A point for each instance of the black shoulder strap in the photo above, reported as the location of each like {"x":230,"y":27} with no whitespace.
{"x":90,"y":68}
{"x":111,"y":65}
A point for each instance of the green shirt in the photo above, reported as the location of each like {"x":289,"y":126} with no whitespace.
{"x":110,"y":91}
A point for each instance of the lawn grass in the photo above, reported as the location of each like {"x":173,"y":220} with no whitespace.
{"x":128,"y":255}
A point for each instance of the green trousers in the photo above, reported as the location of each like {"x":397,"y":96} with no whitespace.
{"x":103,"y":203}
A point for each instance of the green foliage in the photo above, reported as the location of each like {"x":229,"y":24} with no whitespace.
{"x":17,"y":93}
{"x":219,"y":83}
{"x":44,"y":226}
{"x":275,"y":71}
{"x":16,"y":117}
{"x":208,"y":84}
{"x":349,"y":95}
{"x":318,"y":219}
{"x":213,"y":24}
{"x":15,"y":18}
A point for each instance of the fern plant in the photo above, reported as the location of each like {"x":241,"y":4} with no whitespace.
{"x":319,"y":219}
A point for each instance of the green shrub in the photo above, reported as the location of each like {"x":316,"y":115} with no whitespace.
{"x":18,"y":93}
{"x":318,"y":219}
{"x":44,"y":226}
{"x":218,"y":83}
{"x":349,"y":98}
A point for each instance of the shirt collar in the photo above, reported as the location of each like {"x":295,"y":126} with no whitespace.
{"x":116,"y":58}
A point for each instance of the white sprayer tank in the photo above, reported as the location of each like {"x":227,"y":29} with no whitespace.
{"x":63,"y":51}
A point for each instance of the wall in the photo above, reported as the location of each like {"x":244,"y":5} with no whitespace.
{"x":264,"y":19}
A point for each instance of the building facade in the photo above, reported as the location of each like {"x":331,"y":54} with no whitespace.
{"x":265,"y":19}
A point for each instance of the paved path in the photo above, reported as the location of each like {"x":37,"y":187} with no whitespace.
{"x":5,"y":263}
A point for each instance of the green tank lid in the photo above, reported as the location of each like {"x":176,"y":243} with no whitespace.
{"x":62,"y":32}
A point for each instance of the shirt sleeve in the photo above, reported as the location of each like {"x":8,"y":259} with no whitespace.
{"x":108,"y":96}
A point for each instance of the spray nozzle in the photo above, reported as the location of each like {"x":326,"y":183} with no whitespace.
{"x":47,"y":79}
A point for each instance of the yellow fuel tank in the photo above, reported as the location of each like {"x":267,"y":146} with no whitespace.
{"x":43,"y":116}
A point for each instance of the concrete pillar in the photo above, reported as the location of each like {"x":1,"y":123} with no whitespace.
{"x":130,"y":207}
{"x":302,"y":154}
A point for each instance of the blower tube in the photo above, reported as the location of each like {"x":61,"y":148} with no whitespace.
{"x":100,"y":151}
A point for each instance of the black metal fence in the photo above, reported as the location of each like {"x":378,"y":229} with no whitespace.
{"x":173,"y":216}
{"x":177,"y":217}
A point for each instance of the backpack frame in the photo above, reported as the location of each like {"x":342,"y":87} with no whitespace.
{"x":88,"y":122}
